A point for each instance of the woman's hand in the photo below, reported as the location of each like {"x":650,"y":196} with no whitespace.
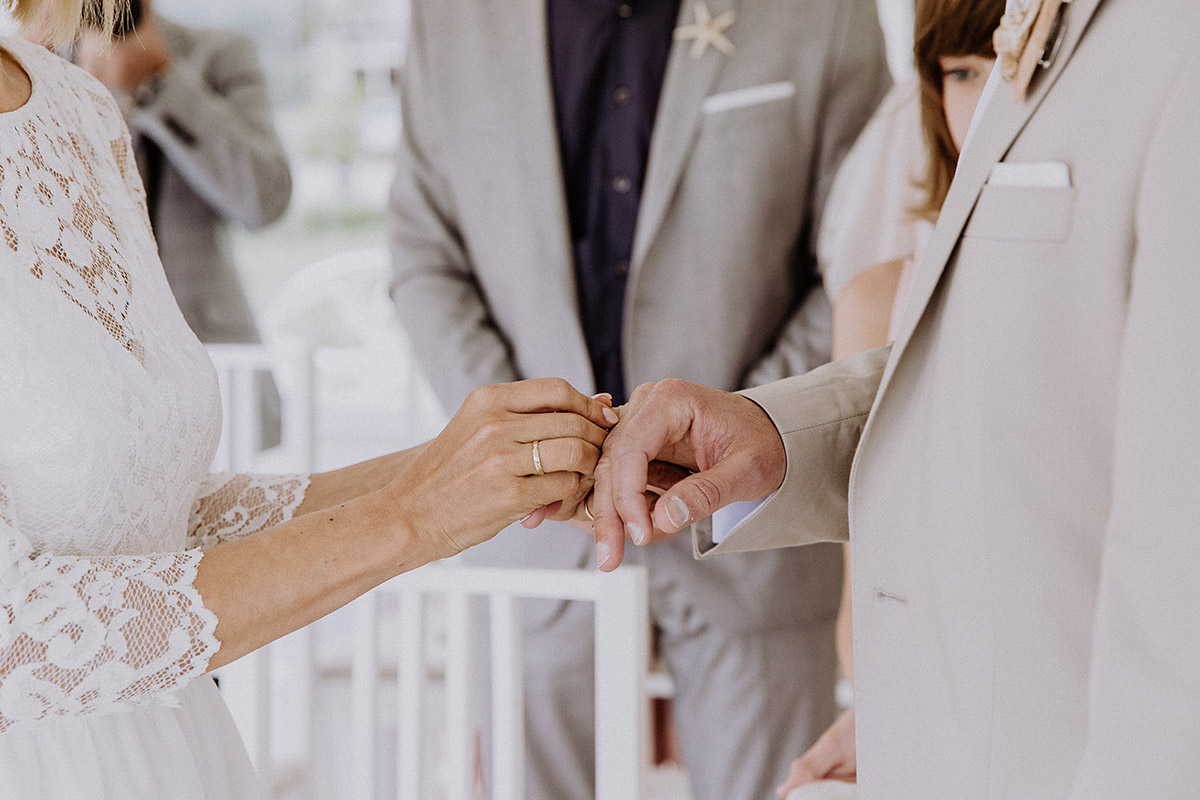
{"x":833,"y":757}
{"x":575,"y":509}
{"x":480,"y":474}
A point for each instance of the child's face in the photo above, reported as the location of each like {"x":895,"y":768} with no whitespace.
{"x":963,"y":79}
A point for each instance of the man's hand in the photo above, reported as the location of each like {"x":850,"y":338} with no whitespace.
{"x":125,"y":64}
{"x":833,"y":757}
{"x":727,"y":442}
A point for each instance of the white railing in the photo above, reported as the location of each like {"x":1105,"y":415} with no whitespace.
{"x":622,"y":732}
{"x":238,"y":367}
{"x":247,"y":684}
{"x":271,"y":692}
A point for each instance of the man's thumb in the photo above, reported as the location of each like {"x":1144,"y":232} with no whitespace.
{"x":696,"y":497}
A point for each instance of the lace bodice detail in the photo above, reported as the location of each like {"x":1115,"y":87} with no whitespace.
{"x":110,"y":418}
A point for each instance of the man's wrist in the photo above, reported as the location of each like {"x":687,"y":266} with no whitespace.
{"x":772,"y":458}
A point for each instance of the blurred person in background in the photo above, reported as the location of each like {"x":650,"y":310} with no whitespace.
{"x":615,"y":193}
{"x":881,"y":213}
{"x":198,"y":109}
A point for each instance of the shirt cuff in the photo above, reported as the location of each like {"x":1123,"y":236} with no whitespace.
{"x":724,"y":520}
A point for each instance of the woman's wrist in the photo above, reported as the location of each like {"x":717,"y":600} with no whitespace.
{"x":399,"y":534}
{"x":328,"y":489}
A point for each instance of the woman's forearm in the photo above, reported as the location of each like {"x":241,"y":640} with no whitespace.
{"x":329,"y":489}
{"x":863,"y":310}
{"x":361,"y":525}
{"x":267,"y":585}
{"x":341,"y":541}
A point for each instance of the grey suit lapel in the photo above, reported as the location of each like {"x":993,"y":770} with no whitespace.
{"x":526,"y":89}
{"x":1001,"y":123}
{"x":687,"y":82}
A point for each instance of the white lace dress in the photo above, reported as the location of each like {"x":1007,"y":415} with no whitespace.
{"x":109,"y":416}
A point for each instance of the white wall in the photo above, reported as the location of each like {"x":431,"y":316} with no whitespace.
{"x":896,"y":17}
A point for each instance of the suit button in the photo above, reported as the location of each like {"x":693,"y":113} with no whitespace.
{"x":622,"y":184}
{"x":621,"y":267}
{"x":621,"y":95}
{"x":624,"y":10}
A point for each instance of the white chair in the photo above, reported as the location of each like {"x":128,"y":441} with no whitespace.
{"x":237,"y":366}
{"x":622,"y":732}
{"x":338,"y":352}
{"x":370,"y":392}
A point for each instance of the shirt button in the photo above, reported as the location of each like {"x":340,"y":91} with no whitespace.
{"x":622,"y":184}
{"x":624,"y":10}
{"x":621,"y":267}
{"x":621,"y":95}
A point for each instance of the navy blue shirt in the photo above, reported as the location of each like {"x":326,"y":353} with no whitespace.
{"x":607,"y":62}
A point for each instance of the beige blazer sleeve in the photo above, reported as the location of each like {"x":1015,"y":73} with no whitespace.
{"x":820,"y":416}
{"x":1144,"y":704}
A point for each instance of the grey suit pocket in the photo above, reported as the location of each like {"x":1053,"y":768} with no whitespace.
{"x":1027,"y":213}
{"x":750,"y":119}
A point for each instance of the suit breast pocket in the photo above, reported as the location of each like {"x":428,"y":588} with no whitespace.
{"x":754,"y":145}
{"x":748,"y":110}
{"x":1023,"y":213}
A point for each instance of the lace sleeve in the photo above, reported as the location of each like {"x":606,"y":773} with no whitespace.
{"x":229,"y":506}
{"x":80,"y":635}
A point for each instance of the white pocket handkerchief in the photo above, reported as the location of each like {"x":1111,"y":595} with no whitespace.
{"x":1031,"y":175}
{"x":750,"y":96}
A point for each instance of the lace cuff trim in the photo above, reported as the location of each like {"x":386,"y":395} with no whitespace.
{"x":233,"y":506}
{"x":89,"y":635}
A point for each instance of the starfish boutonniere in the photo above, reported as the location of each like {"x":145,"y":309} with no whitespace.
{"x":1027,"y":38}
{"x":1010,"y":38}
{"x":707,"y":30}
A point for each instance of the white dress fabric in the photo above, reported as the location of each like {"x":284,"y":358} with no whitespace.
{"x":109,"y":417}
{"x":868,"y":218}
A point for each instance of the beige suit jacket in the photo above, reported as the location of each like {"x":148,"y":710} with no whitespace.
{"x":1023,"y":507}
{"x":743,"y":151}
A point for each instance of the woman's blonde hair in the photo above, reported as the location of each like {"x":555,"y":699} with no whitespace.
{"x":57,"y":22}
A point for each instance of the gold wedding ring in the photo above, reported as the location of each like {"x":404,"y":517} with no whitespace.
{"x":537,"y":458}
{"x":587,"y":508}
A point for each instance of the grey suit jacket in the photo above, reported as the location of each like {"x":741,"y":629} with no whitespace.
{"x":223,"y":162}
{"x":1023,"y":507}
{"x":743,"y":150}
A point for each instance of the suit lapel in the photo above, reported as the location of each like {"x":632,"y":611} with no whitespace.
{"x":686,"y":83}
{"x":521,"y":68}
{"x":1001,"y":122}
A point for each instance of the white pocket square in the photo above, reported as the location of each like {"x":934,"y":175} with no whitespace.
{"x":750,"y":96}
{"x":1031,"y":174}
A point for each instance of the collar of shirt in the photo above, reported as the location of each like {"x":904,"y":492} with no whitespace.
{"x":607,"y":64}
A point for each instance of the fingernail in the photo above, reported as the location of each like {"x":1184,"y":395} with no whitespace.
{"x":610,"y":416}
{"x":678,"y":514}
{"x":602,"y":394}
{"x":602,"y":553}
{"x":638,"y":533}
